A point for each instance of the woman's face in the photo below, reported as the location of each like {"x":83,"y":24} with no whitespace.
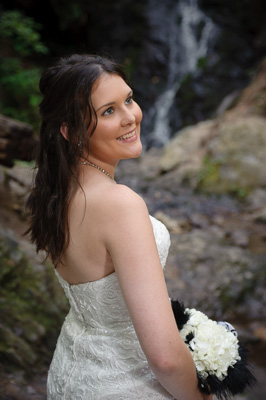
{"x":117,"y":135}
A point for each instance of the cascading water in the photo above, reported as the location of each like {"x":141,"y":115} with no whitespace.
{"x":187,"y":32}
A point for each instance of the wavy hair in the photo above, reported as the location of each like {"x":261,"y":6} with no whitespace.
{"x":66,"y":88}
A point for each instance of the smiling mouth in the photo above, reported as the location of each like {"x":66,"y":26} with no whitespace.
{"x":127,"y":135}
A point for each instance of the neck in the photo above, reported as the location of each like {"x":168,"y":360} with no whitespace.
{"x":91,"y":164}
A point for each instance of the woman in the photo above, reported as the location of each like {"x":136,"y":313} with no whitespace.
{"x":120,"y":339}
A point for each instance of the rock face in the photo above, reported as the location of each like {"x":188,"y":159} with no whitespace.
{"x":238,"y":153}
{"x":219,"y":272}
{"x":16,"y":141}
{"x":30,"y":322}
{"x":219,"y":156}
{"x":186,"y":151}
{"x":226,"y":154}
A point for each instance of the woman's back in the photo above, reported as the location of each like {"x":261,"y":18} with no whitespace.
{"x":86,"y":257}
{"x":98,"y":355}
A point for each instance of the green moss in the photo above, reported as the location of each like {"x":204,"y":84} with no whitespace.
{"x":210,"y":181}
{"x":32,"y":307}
{"x":240,"y":193}
{"x":209,"y":173}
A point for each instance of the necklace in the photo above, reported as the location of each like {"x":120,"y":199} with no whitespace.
{"x":97,"y":167}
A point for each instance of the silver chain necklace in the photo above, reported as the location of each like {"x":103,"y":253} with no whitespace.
{"x":97,"y":167}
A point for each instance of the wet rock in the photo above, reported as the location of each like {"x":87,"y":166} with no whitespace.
{"x":216,"y":277}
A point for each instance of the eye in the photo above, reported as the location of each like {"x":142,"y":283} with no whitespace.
{"x":129,"y":100}
{"x":109,"y":111}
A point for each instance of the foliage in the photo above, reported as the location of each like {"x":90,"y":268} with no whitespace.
{"x":22,"y":31}
{"x":209,"y":173}
{"x":20,"y":97}
{"x":69,"y":11}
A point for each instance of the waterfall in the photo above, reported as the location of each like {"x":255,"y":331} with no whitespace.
{"x":187,"y":32}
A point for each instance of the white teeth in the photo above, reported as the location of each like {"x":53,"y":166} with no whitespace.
{"x":127,"y":136}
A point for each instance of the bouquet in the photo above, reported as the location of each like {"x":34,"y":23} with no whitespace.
{"x":220,"y":360}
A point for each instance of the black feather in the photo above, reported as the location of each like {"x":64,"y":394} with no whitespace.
{"x":181,"y":316}
{"x":238,"y":378}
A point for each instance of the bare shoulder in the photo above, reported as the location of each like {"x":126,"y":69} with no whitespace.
{"x":120,"y":206}
{"x":121,"y":197}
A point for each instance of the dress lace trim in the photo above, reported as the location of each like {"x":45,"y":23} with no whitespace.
{"x":98,"y":355}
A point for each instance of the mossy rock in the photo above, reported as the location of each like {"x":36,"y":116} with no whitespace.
{"x":32,"y":308}
{"x":235,"y":158}
{"x":15,"y":350}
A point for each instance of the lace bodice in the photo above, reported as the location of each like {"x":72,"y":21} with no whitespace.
{"x":98,"y":355}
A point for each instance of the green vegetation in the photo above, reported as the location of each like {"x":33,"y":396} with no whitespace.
{"x":210,"y":180}
{"x":210,"y":172}
{"x":22,"y":32}
{"x":20,"y":97}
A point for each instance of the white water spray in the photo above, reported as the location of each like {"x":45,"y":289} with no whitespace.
{"x":188,"y":32}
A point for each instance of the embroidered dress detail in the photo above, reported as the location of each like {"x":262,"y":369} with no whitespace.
{"x":98,"y":355}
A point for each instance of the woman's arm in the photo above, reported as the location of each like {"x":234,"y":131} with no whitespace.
{"x":129,"y":238}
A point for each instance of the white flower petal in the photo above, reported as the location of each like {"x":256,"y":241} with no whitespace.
{"x":213,"y":348}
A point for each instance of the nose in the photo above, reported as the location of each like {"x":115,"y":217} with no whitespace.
{"x":128,"y":117}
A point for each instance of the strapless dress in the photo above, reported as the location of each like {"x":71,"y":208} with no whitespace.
{"x":98,"y":355}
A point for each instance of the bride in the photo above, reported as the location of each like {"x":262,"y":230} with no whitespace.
{"x":119,"y":339}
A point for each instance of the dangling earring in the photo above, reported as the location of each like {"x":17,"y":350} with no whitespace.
{"x":80,"y":147}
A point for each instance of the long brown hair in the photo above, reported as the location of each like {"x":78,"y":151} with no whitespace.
{"x":66,"y":88}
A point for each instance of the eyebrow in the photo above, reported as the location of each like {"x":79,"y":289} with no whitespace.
{"x":113,"y":102}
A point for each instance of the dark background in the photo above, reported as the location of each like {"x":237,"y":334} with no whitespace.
{"x":136,"y":34}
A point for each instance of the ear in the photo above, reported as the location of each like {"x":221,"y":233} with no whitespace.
{"x":64,"y":130}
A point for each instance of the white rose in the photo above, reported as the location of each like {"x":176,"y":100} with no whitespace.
{"x":213,"y":348}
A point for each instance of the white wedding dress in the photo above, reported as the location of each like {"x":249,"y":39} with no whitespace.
{"x":98,"y":355}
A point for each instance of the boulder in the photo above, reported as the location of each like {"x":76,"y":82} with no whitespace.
{"x":236,"y":156}
{"x":32,"y":307}
{"x":187,"y":147}
{"x":17,"y":141}
{"x":220,"y":156}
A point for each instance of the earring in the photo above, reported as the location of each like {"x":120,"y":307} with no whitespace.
{"x":80,"y":146}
